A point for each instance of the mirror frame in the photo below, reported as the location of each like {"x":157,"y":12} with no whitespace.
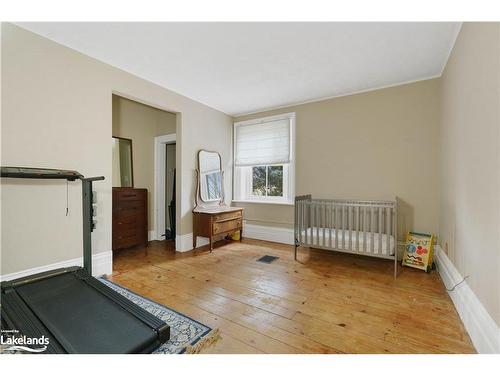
{"x":131,"y":160}
{"x":199,"y":202}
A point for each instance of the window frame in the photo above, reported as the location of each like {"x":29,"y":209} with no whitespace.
{"x":288,"y":169}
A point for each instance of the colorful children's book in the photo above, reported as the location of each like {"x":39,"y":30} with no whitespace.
{"x":419,"y":251}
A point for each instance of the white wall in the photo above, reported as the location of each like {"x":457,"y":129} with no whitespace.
{"x":57,"y":112}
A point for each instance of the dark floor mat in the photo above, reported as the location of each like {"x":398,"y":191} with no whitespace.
{"x":267,"y":259}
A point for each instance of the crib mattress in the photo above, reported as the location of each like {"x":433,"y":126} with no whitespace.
{"x":324,"y":235}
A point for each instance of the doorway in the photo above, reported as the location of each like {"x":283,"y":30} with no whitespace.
{"x":165,"y":179}
{"x":170,"y":203}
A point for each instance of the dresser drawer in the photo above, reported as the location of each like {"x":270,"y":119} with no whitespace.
{"x":226,"y":225}
{"x":227,"y":216}
{"x":127,"y":239}
{"x":130,"y":217}
{"x":126,"y":209}
{"x":127,"y":223}
{"x":130,"y":194}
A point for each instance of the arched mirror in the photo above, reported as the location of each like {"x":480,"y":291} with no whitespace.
{"x":210,"y":178}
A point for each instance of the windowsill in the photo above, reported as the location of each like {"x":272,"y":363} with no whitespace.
{"x":263,"y":202}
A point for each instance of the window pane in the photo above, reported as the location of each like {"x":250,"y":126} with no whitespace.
{"x":275,"y":181}
{"x":259,"y":181}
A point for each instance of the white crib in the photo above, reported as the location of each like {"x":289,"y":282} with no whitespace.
{"x":351,"y":226}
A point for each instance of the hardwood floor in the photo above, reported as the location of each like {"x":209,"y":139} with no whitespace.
{"x":327,"y":303}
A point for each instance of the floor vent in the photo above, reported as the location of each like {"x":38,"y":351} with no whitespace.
{"x":267,"y":259}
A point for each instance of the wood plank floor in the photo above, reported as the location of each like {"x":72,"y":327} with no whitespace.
{"x":326,"y":303}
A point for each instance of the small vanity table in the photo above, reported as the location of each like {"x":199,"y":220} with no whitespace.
{"x":211,"y":217}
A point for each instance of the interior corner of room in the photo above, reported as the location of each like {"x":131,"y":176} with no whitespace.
{"x":186,"y":199}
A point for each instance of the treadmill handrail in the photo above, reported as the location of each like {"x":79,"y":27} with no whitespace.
{"x":62,"y":174}
{"x":40,"y":173}
{"x":98,"y":178}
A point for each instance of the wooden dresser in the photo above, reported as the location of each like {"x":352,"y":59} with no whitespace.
{"x":130,"y":217}
{"x":216,"y":221}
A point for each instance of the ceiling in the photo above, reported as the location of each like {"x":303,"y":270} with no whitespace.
{"x":241,"y":68}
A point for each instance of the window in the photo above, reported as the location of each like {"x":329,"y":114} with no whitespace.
{"x":264,"y":160}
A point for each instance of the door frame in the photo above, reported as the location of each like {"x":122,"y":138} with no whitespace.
{"x":159,"y":205}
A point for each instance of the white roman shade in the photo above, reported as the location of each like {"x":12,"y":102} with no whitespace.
{"x":263,"y":143}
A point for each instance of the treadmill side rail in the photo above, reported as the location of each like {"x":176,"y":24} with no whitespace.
{"x":39,"y":276}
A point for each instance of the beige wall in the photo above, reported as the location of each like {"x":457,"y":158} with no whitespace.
{"x":57,"y":112}
{"x":374,"y":145}
{"x":142,"y":124}
{"x":470,"y":168}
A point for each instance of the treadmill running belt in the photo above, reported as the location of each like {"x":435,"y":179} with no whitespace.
{"x":82,"y":319}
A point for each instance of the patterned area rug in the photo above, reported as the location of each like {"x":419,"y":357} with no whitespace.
{"x":186,"y":335}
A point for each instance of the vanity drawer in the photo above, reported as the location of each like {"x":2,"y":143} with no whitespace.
{"x":228,"y":216}
{"x":227,"y":225}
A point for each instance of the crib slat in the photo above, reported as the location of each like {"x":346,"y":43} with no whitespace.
{"x":379,"y":251}
{"x":297,"y":221}
{"x":386,"y":234}
{"x":372,"y":230}
{"x":302,"y":217}
{"x":349,"y":217}
{"x":322,"y":223}
{"x":307,"y":220}
{"x":314,"y":238}
{"x":358,"y":208}
{"x":341,"y":229}
{"x":331,"y":224}
{"x":336,"y":227}
{"x":300,"y":220}
{"x":313,"y":225}
{"x":318,"y":207}
{"x":321,"y":216}
{"x":389,"y":230}
{"x":325,"y":224}
{"x":364,"y":229}
{"x":313,"y":222}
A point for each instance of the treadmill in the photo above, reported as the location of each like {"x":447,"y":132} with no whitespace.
{"x":75,"y":311}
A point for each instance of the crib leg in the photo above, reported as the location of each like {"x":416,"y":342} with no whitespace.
{"x":296,"y":247}
{"x":395,"y":263}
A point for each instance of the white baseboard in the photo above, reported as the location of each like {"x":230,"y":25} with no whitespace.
{"x":102,"y":264}
{"x":259,"y":232}
{"x":184,"y":242}
{"x":265,"y":233}
{"x":482,"y":329}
